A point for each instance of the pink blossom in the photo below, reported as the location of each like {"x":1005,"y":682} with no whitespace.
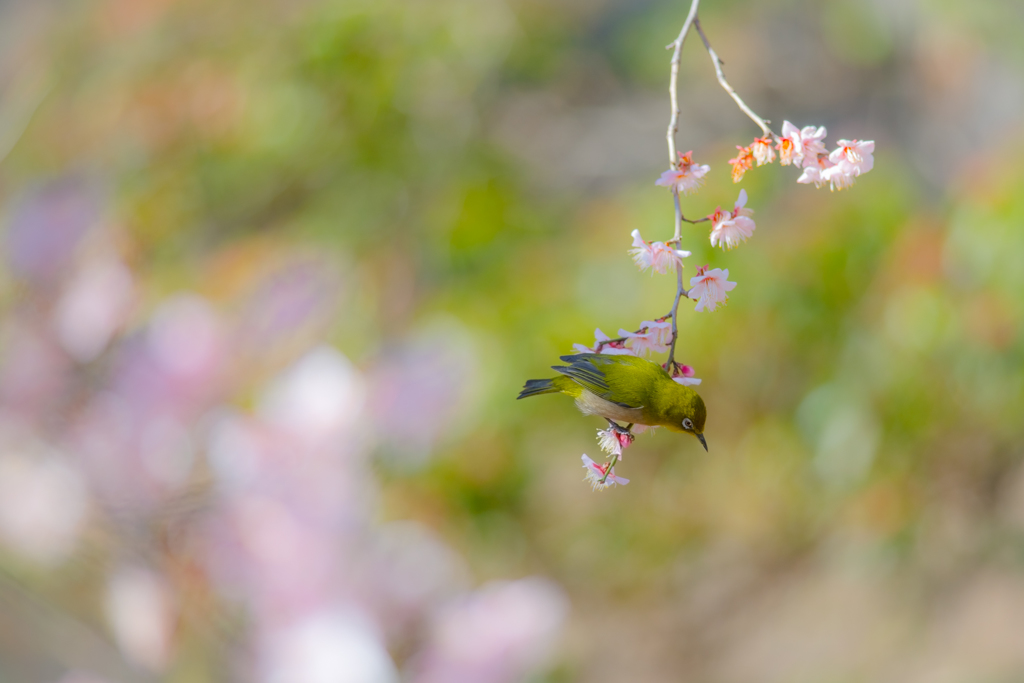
{"x":815,"y":171}
{"x":687,"y":177}
{"x":595,"y":473}
{"x":859,"y":154}
{"x":743,"y":162}
{"x":684,"y":374}
{"x":812,"y":141}
{"x":838,"y":177}
{"x":790,"y":145}
{"x":851,"y":159}
{"x":653,"y":336}
{"x":613,"y":441}
{"x":657,"y":256}
{"x":729,"y":230}
{"x":762,"y":150}
{"x":709,"y":288}
{"x":603,"y":344}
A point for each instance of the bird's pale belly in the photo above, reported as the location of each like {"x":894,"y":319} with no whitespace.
{"x":592,"y":404}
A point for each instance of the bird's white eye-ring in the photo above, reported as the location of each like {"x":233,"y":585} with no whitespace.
{"x":687,"y":423}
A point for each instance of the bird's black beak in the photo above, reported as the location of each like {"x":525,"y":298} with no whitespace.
{"x":702,"y":441}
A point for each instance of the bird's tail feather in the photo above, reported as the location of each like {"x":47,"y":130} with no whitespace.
{"x":535,"y":387}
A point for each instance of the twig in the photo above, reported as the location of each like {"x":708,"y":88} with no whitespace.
{"x":677,"y":47}
{"x":725,"y":84}
{"x":680,"y":291}
{"x":616,"y":456}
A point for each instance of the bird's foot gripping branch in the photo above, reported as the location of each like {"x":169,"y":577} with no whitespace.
{"x":612,"y":378}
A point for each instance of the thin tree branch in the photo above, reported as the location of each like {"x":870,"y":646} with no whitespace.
{"x":611,"y":465}
{"x":615,"y":456}
{"x":725,"y":84}
{"x":673,"y":84}
{"x":680,"y":291}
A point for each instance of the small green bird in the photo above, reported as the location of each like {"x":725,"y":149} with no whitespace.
{"x":625,"y":389}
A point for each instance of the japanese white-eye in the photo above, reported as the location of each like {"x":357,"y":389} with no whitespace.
{"x":626,"y":389}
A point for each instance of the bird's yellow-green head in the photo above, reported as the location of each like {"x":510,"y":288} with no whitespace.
{"x":680,"y":409}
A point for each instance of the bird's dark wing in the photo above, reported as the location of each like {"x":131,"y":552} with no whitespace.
{"x":588,"y":370}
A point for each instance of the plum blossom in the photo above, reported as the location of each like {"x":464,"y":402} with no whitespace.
{"x":812,"y":141}
{"x":596,"y":472}
{"x":687,"y":178}
{"x":840,"y":167}
{"x":762,"y":150}
{"x":790,"y":145}
{"x":817,"y":171}
{"x":729,"y":230}
{"x":709,"y":288}
{"x":653,"y":336}
{"x":859,"y":154}
{"x":604,"y":344}
{"x":850,"y":159}
{"x":657,"y":256}
{"x":837,"y":177}
{"x":743,"y":162}
{"x":613,"y":441}
{"x":684,"y":374}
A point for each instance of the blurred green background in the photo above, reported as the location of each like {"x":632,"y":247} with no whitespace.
{"x":471,"y":171}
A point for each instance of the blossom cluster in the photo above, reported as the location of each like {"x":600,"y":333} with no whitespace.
{"x":710,"y":287}
{"x":805,"y":149}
